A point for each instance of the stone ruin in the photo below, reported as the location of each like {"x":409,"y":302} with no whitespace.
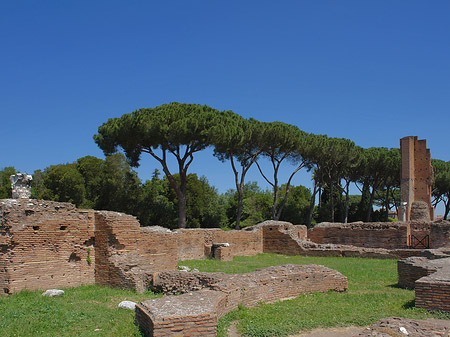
{"x":416,"y":180}
{"x":208,"y":296}
{"x":21,"y":185}
{"x":429,"y":276}
{"x":45,"y":244}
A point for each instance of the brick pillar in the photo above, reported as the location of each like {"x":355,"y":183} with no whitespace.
{"x":416,"y":174}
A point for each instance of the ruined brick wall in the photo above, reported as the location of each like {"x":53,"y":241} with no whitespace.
{"x":196,"y":313}
{"x":411,"y":269}
{"x":440,"y":234}
{"x":45,"y":244}
{"x":191,"y":243}
{"x":4,"y":270}
{"x":196,"y":243}
{"x":388,"y":235}
{"x":179,"y":282}
{"x":280,"y":237}
{"x":274,"y":283}
{"x":127,"y":254}
{"x":433,"y":291}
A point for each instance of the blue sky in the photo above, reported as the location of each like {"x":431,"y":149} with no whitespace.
{"x":370,"y":71}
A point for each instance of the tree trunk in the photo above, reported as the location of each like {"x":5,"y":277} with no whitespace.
{"x":347,"y":199}
{"x":311,"y":205}
{"x":239,"y":209}
{"x":369,"y":208}
{"x":239,"y":190}
{"x":447,"y":209}
{"x":182,"y":211}
{"x":341,"y":204}
{"x":332,"y":200}
{"x":386,"y":203}
{"x":275,"y":200}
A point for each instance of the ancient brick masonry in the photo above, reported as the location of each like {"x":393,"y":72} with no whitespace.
{"x":127,"y":254}
{"x":386,"y":235}
{"x":374,"y":235}
{"x":284,"y":238}
{"x":196,"y":313}
{"x":48,"y":244}
{"x":416,"y":174}
{"x":45,"y":243}
{"x":430,"y":276}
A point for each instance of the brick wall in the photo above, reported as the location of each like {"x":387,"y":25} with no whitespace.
{"x":196,"y":243}
{"x":440,"y":234}
{"x":281,"y":237}
{"x":48,"y":244}
{"x":373,"y":235}
{"x":127,"y":254}
{"x":45,"y":244}
{"x":433,"y":291}
{"x":196,"y":313}
{"x":411,"y":269}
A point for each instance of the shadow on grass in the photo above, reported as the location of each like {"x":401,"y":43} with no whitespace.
{"x":409,"y":305}
{"x":397,"y":286}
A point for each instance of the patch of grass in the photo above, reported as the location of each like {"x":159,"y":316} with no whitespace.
{"x":92,"y":310}
{"x":82,"y":311}
{"x":371,"y":295}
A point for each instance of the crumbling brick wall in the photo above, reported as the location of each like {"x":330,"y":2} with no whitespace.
{"x":196,"y":313}
{"x":196,"y":243}
{"x":411,"y":269}
{"x":385,"y":235}
{"x":440,"y":234}
{"x":127,"y":254}
{"x":374,"y":235}
{"x":433,"y":291}
{"x":45,"y":244}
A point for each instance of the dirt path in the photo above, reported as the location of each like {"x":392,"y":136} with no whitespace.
{"x":333,"y":332}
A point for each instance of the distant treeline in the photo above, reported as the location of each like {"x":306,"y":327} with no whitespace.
{"x":181,"y":199}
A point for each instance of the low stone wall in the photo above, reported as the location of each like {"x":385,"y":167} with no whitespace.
{"x":387,"y":235}
{"x":430,"y":276}
{"x":440,"y":234}
{"x":433,"y":291}
{"x":284,"y":238}
{"x":411,"y":269}
{"x":179,"y":282}
{"x":196,"y":313}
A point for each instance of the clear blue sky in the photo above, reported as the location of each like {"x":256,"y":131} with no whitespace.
{"x":370,"y":71}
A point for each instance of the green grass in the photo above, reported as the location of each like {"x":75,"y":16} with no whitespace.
{"x":372,"y":294}
{"x":82,"y":311}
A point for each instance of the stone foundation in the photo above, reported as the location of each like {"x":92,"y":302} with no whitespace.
{"x":196,"y":313}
